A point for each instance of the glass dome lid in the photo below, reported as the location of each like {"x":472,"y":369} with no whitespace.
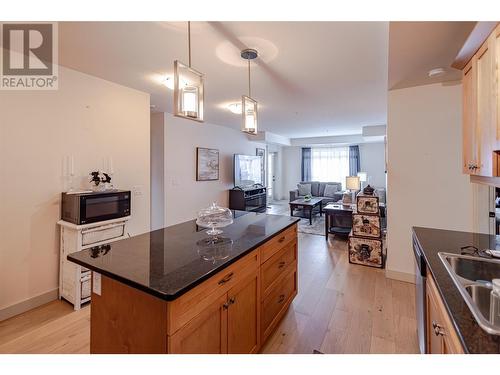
{"x":214,"y":217}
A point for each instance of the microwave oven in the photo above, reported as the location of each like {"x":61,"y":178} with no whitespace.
{"x":90,"y":207}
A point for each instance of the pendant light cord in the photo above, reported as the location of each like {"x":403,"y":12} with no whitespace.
{"x":189,"y":42}
{"x":249,"y":92}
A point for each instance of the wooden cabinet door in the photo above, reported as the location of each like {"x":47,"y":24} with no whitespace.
{"x":485,"y":104}
{"x":204,"y":334}
{"x":434,"y":341}
{"x":469,"y":126}
{"x":495,"y":45}
{"x":441,"y":335}
{"x":243,"y":316}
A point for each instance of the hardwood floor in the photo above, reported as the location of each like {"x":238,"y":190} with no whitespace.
{"x":340,"y":308}
{"x":344,"y":308}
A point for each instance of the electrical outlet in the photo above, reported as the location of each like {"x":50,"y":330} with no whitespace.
{"x":137,"y":191}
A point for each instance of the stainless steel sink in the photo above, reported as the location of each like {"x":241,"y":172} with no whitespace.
{"x":472,"y":276}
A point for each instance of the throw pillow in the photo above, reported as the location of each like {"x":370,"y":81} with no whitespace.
{"x":304,"y":189}
{"x":330,"y":191}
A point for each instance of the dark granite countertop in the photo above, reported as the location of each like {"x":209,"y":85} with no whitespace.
{"x":431,"y":241}
{"x":170,"y":261}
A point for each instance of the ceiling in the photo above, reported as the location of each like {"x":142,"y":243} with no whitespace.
{"x":311,"y":78}
{"x":417,"y":47}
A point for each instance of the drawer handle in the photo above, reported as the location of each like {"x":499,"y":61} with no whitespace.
{"x":281,"y":239}
{"x":282,"y":298}
{"x":281,"y":264}
{"x":226,"y":278}
{"x":438,"y":331}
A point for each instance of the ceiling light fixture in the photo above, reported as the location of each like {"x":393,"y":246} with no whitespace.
{"x":188,"y":88}
{"x":249,"y":105}
{"x":437,"y":72}
{"x":235,"y":108}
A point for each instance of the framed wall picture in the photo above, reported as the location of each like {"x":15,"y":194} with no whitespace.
{"x":262,"y":153}
{"x":207,"y":164}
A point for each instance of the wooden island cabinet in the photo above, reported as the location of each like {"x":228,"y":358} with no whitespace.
{"x":232,"y":311}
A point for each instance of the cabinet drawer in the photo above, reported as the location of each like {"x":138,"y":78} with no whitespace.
{"x":277,"y":265}
{"x":277,"y":243}
{"x":102,"y":233}
{"x":187,"y":306}
{"x":274,"y":305}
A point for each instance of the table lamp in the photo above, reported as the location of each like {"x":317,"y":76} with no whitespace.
{"x":352,"y":183}
{"x":363,"y":177}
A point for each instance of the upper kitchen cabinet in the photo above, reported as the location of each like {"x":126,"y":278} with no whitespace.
{"x":481,"y":127}
{"x":469,"y":107}
{"x":495,"y":42}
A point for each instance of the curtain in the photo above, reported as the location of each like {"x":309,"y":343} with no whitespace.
{"x":354,"y":166}
{"x":330,"y":164}
{"x":306,"y":164}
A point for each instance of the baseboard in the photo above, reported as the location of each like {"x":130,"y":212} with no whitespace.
{"x":30,"y":303}
{"x":400,"y":276}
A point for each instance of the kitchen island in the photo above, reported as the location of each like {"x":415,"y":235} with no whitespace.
{"x":178,"y":290}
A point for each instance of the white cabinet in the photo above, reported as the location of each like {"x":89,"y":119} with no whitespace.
{"x":74,"y":281}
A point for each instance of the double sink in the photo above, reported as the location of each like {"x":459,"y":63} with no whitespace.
{"x":472,"y":275}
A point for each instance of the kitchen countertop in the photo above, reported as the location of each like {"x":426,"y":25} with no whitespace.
{"x":431,"y":241}
{"x":168,"y":262}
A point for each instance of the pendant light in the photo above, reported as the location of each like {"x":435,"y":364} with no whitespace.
{"x":249,"y":105}
{"x":188,"y":88}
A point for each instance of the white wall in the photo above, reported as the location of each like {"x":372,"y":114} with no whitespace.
{"x":292,"y":174}
{"x":184,"y":196}
{"x":372,"y":161}
{"x":426,"y":186}
{"x":87,"y":117}
{"x":157,"y":170}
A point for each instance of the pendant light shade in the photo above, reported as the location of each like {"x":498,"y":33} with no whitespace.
{"x":188,"y":88}
{"x":248,"y":104}
{"x":249,"y":113}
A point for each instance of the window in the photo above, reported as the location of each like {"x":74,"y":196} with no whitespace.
{"x":330,"y":164}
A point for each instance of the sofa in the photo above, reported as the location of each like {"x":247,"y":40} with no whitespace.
{"x":317,"y":191}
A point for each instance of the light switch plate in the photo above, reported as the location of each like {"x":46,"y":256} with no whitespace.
{"x":137,"y":190}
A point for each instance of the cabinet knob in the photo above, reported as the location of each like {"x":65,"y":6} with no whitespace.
{"x":281,"y":298}
{"x":281,"y":239}
{"x":229,"y":303}
{"x":438,"y":329}
{"x":281,"y":264}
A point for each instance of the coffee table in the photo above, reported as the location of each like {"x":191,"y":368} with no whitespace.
{"x":308,"y":206}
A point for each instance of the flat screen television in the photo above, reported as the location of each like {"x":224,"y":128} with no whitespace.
{"x":247,"y":170}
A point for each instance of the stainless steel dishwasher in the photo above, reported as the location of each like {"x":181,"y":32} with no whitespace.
{"x":420,"y":298}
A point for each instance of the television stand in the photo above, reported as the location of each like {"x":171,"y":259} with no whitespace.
{"x":248,"y":199}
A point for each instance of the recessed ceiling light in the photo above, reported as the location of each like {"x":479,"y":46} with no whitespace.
{"x":437,"y":72}
{"x":235,"y":108}
{"x":169,"y":82}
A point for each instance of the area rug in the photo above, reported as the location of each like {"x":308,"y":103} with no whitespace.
{"x":317,"y":227}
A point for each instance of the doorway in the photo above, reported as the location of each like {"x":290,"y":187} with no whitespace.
{"x":271,"y":175}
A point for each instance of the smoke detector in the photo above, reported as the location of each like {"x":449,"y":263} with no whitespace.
{"x":437,"y":72}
